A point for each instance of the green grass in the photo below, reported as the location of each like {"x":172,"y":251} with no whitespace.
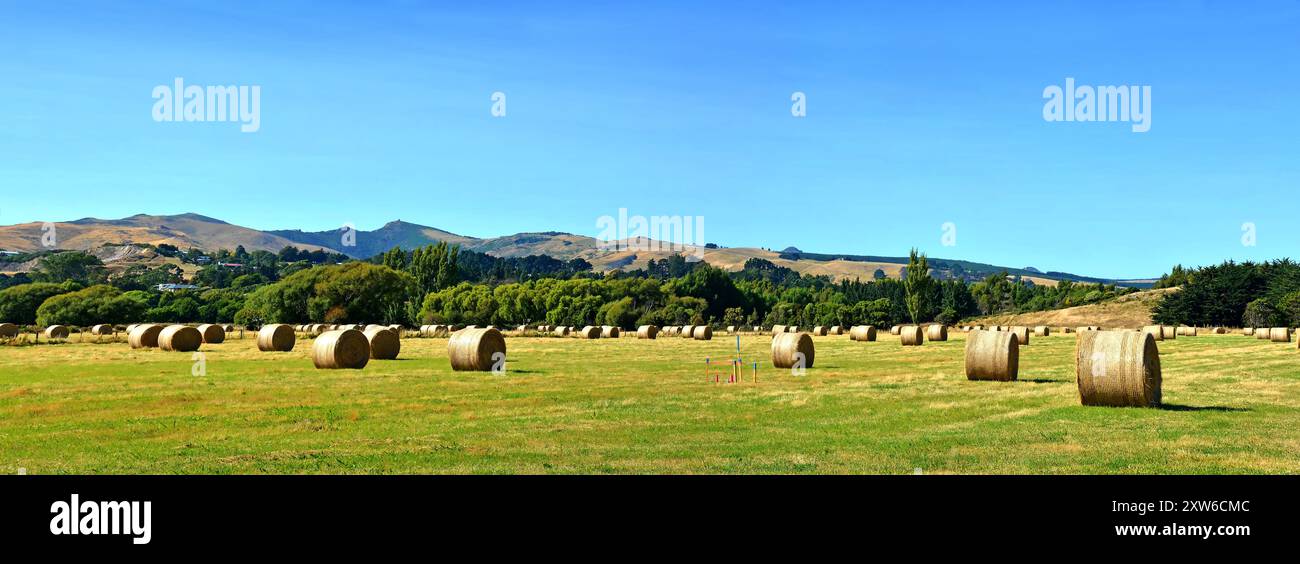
{"x":632,"y":406}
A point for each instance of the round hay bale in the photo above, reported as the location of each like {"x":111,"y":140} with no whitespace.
{"x":384,"y":342}
{"x":911,"y":336}
{"x":647,"y":332}
{"x":1168,"y":332}
{"x":731,"y":329}
{"x":702,"y":333}
{"x":347,"y":348}
{"x":102,"y":329}
{"x":836,"y":330}
{"x":1118,"y":368}
{"x":792,"y":329}
{"x":687,"y":331}
{"x":1042,"y":331}
{"x":179,"y":338}
{"x":477,"y":349}
{"x":937,"y":332}
{"x":896,"y":330}
{"x":609,"y":332}
{"x":778,"y":329}
{"x":1279,"y":334}
{"x":992,"y":355}
{"x":1248,"y":331}
{"x":789,"y":348}
{"x":1156,"y":331}
{"x":819,"y":331}
{"x":276,"y":337}
{"x":228,"y":328}
{"x":8,"y":330}
{"x":144,"y":336}
{"x":1021,"y":333}
{"x":864,"y":333}
{"x":212,"y":334}
{"x":1219,"y":331}
{"x":561,"y":331}
{"x":1186,"y":331}
{"x":1262,"y":333}
{"x":56,"y":332}
{"x":131,"y":327}
{"x":589,"y":332}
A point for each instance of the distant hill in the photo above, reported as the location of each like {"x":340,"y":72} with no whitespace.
{"x":198,"y":231}
{"x":1129,"y":311}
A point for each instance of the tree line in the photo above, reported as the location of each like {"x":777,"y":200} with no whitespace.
{"x":445,"y":284}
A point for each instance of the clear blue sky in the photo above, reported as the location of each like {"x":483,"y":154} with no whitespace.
{"x":918,"y":114}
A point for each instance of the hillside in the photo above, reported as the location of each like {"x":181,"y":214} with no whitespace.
{"x":184,"y":231}
{"x":1131,"y":311}
{"x":197,"y":231}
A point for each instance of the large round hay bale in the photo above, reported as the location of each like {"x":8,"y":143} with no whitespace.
{"x":397,"y":327}
{"x":347,"y":348}
{"x":896,"y":330}
{"x":1168,"y":332}
{"x":1042,"y":331}
{"x":647,"y":332}
{"x":384,"y":342}
{"x":589,"y":332}
{"x":702,"y":333}
{"x":819,"y":330}
{"x":228,"y":328}
{"x":1022,"y":334}
{"x":863,"y":333}
{"x":1262,"y":333}
{"x":179,"y":338}
{"x":8,"y":330}
{"x":1279,"y":334}
{"x":1157,"y":332}
{"x":992,"y":355}
{"x":212,"y":334}
{"x":778,"y":329}
{"x":1184,"y":331}
{"x":1248,"y":331}
{"x":792,"y":329}
{"x":276,"y":337}
{"x":144,"y":336}
{"x":609,"y":332}
{"x":561,"y":331}
{"x":56,"y":332}
{"x":911,"y":335}
{"x":1118,"y":368}
{"x":1219,"y":331}
{"x":789,"y":348}
{"x":688,"y":331}
{"x":102,"y":329}
{"x":936,"y":332}
{"x":478,"y":349}
{"x":836,"y":330}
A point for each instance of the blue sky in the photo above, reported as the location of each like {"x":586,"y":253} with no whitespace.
{"x":918,"y":114}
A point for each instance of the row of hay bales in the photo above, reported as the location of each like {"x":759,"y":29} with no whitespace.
{"x":177,"y":338}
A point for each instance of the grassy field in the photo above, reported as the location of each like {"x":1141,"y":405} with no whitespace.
{"x":632,"y":406}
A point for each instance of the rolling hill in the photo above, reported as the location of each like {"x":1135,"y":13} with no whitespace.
{"x":192,"y":230}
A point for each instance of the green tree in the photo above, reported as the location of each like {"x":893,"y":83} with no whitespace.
{"x":77,"y":266}
{"x":918,"y":284}
{"x":90,"y":306}
{"x":19,"y":303}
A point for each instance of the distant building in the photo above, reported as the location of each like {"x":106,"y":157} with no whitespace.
{"x":174,"y":287}
{"x":230,"y":264}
